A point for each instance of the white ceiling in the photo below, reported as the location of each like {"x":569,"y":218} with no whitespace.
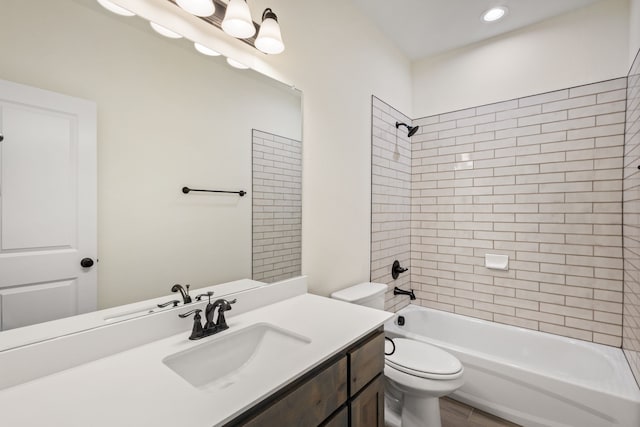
{"x":422,"y":28}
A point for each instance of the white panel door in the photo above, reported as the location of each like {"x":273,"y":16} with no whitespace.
{"x":47,"y":205}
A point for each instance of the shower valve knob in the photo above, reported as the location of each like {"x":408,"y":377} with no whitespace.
{"x":396,"y":269}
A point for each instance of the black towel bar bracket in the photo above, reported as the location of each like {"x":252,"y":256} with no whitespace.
{"x":187,"y":190}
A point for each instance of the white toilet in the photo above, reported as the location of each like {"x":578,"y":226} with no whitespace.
{"x":417,"y":373}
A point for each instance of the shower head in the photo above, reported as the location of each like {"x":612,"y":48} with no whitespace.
{"x":410,"y":129}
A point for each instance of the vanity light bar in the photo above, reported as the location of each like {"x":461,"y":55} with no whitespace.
{"x":235,"y":20}
{"x":268,"y":41}
{"x":217,"y":18}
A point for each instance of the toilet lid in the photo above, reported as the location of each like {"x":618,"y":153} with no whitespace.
{"x":422,"y":359}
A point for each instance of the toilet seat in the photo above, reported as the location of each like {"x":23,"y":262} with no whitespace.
{"x":423,"y":360}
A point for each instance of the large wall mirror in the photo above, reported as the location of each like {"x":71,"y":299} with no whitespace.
{"x":167,"y":117}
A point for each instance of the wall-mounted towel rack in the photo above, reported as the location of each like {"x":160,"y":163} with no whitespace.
{"x":186,"y":190}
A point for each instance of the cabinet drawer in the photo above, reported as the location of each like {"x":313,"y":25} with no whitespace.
{"x":310,"y":403}
{"x":366,"y":362}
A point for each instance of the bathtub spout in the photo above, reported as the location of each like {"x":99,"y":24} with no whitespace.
{"x":398,"y":291}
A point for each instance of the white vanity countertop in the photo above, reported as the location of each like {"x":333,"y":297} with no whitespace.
{"x":43,"y":331}
{"x":135,"y":388}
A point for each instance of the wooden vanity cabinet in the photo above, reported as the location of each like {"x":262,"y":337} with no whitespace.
{"x":346,"y":391}
{"x":339,"y":419}
{"x":366,"y":380}
{"x":367,"y":408}
{"x":310,"y":403}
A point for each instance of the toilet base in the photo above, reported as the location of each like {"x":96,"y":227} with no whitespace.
{"x":421,"y":412}
{"x":405,"y":411}
{"x":391,"y":415}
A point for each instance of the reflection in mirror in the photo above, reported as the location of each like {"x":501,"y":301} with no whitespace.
{"x":167,"y":117}
{"x":277,"y":207}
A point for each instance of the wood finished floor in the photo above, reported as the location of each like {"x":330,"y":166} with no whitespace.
{"x":457,"y":414}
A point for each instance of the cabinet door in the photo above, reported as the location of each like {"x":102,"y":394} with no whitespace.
{"x":310,"y":403}
{"x":367,"y":409}
{"x":340,"y":419}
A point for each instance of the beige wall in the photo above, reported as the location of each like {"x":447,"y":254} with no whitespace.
{"x":338,"y":59}
{"x":167,"y":117}
{"x":634,"y":29}
{"x":579,"y":47}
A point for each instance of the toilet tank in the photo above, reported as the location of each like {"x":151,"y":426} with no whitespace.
{"x":367,"y":294}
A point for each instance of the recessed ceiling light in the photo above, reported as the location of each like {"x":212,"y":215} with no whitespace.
{"x":164,"y":31}
{"x":205,"y":50}
{"x":494,"y":14}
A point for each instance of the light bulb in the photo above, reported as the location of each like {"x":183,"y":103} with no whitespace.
{"x":237,"y":20}
{"x":269,"y":38}
{"x":198,"y":7}
{"x":205,"y":50}
{"x":236,"y":64}
{"x":164,"y":31}
{"x":112,"y":7}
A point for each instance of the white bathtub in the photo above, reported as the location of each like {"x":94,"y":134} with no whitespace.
{"x":529,"y":377}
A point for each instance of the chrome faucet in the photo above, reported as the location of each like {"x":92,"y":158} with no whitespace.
{"x":186,"y":299}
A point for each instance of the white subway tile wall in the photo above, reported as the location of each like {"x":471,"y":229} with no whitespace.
{"x":538,"y":179}
{"x":390,"y":200}
{"x":277,"y":207}
{"x":631,"y":221}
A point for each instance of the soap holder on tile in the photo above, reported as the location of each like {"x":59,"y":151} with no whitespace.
{"x":496,"y":262}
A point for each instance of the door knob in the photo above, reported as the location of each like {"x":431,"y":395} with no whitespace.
{"x":86,"y":262}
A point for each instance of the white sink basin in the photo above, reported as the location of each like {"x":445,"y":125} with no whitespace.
{"x":237,"y":357}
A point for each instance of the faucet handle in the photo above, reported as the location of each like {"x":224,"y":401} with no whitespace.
{"x":196,"y":332}
{"x":175,"y":303}
{"x":197,"y":311}
{"x":396,"y":269}
{"x":208,"y":294}
{"x":221,"y":321}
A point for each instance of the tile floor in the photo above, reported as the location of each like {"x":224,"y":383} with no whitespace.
{"x":457,"y":414}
